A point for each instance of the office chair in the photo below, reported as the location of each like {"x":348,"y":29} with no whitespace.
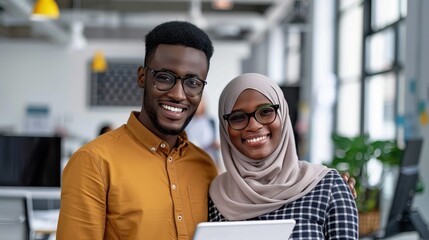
{"x":15,"y":216}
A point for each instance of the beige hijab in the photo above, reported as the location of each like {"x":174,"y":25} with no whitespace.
{"x":250,"y":188}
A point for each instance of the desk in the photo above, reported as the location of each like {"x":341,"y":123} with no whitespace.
{"x":42,"y":222}
{"x":45,"y":221}
{"x":34,"y":192}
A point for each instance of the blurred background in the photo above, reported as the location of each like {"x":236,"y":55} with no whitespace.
{"x":348,"y":68}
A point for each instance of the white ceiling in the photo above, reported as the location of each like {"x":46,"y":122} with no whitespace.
{"x":131,"y":19}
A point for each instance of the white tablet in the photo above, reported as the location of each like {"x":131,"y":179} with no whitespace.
{"x":246,"y":230}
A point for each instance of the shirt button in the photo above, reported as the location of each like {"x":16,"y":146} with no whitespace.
{"x":162,"y":145}
{"x":153,"y":149}
{"x":170,"y":159}
{"x":179,"y":217}
{"x":173,"y":186}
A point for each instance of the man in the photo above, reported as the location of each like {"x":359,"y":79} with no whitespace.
{"x":145,"y":180}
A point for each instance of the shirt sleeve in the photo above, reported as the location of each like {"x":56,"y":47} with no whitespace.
{"x":342,"y":215}
{"x":83,"y":200}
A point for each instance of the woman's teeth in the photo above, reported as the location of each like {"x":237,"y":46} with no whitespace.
{"x":253,"y":140}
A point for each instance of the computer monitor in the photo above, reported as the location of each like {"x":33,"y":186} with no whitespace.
{"x":30,"y":161}
{"x":402,"y":217}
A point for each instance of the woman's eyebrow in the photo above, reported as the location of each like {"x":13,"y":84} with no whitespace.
{"x":259,"y":106}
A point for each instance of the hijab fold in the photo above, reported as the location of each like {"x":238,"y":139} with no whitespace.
{"x":249,"y":187}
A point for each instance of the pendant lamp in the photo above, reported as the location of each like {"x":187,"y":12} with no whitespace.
{"x":222,"y":4}
{"x":45,"y":10}
{"x":99,"y":63}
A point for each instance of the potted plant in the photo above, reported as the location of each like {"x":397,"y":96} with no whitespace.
{"x":365,"y":160}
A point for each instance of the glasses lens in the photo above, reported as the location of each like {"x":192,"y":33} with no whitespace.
{"x":238,"y":120}
{"x":192,"y":86}
{"x":266,"y":115}
{"x":164,"y":80}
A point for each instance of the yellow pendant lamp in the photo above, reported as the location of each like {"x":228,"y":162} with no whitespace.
{"x":99,"y":63}
{"x":45,"y":10}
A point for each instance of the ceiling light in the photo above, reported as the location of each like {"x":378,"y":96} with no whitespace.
{"x":99,"y":63}
{"x":222,"y":4}
{"x":45,"y":10}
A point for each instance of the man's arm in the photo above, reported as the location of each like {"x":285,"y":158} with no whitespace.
{"x":83,"y":200}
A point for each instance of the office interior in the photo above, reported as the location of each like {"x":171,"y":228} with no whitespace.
{"x":359,"y":67}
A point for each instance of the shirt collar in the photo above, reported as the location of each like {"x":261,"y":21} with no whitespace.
{"x":151,"y":141}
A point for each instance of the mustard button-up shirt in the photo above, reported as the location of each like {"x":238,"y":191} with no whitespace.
{"x":127,"y":184}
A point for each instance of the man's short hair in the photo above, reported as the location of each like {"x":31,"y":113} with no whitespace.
{"x":178,"y":33}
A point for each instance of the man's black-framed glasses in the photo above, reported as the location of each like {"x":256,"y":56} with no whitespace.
{"x":165,"y":80}
{"x":265,"y":115}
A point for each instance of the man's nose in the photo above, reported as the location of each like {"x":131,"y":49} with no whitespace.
{"x":177,"y":92}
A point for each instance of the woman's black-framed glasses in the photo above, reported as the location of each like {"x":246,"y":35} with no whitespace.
{"x":164,"y":80}
{"x":265,"y":115}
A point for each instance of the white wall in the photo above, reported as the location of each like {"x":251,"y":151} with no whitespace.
{"x":43,"y":73}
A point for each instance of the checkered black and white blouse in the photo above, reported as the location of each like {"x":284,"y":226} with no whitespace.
{"x":327,"y":212}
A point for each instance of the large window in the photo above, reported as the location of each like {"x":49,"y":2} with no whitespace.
{"x":371,"y":35}
{"x":380,"y":106}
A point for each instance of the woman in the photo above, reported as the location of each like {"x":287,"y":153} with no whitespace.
{"x":264,"y":180}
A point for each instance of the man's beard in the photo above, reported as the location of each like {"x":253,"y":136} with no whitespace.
{"x":161,"y":128}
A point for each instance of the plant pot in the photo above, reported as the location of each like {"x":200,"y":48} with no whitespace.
{"x":369,"y":222}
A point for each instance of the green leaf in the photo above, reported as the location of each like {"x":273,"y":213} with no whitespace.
{"x":351,"y":154}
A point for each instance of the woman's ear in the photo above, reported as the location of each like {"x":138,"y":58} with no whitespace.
{"x":141,"y":75}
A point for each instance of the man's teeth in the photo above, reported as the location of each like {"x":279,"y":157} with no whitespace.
{"x":173,"y":109}
{"x":252,"y":140}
